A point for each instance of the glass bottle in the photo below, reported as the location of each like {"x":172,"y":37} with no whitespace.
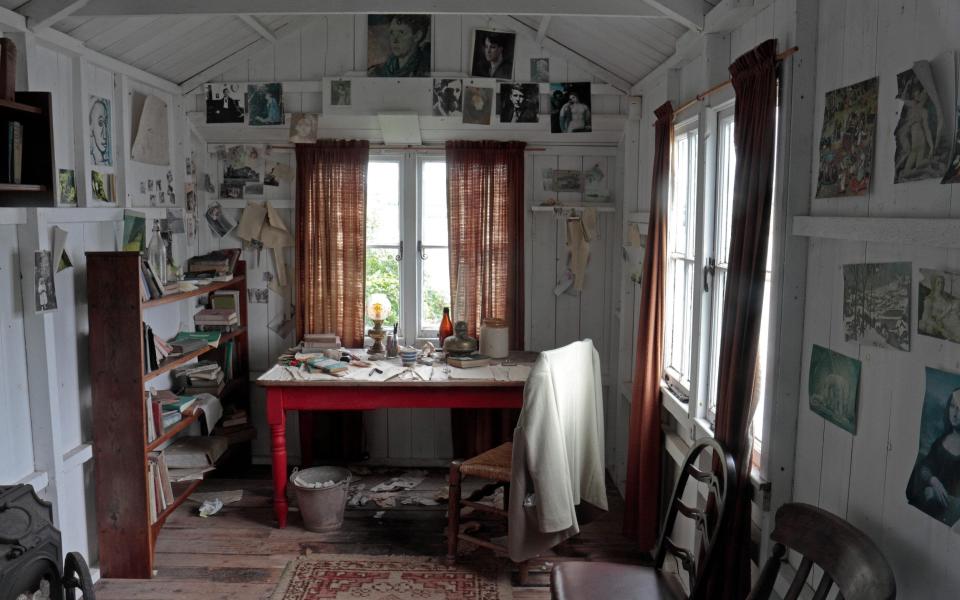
{"x":446,"y":327}
{"x":157,"y":254}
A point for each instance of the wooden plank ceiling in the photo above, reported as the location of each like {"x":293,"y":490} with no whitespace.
{"x":180,"y":40}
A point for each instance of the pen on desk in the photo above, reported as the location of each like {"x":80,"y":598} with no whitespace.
{"x":374,"y":370}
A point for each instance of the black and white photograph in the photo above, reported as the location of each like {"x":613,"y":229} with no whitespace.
{"x":219,"y":224}
{"x":938,"y":301}
{"x":540,"y":70}
{"x":252,"y":189}
{"x":562,"y":180}
{"x":519,"y":102}
{"x":478,"y":106}
{"x":447,"y":97}
{"x":398,"y":45}
{"x":303,"y":128}
{"x":225,"y":103}
{"x":242,"y":163}
{"x":925,"y":130}
{"x":265,"y":104}
{"x":45,"y":291}
{"x":232,"y":190}
{"x":934,"y":484}
{"x":570,"y":107}
{"x":175,"y":220}
{"x":340,"y":90}
{"x":876,"y":304}
{"x":492,"y":54}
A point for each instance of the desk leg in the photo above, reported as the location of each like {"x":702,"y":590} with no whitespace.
{"x":276,"y":417}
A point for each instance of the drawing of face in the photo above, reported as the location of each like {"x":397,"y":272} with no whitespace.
{"x":953,"y":411}
{"x":403,"y":39}
{"x":99,"y":125}
{"x":516,"y":98}
{"x":477,"y":100}
{"x":303,"y":127}
{"x":492,"y":51}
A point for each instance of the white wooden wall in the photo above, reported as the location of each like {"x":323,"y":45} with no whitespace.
{"x":15,"y":443}
{"x":863,"y":477}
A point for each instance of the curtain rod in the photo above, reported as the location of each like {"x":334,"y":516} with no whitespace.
{"x":400,"y":148}
{"x":703,"y":95}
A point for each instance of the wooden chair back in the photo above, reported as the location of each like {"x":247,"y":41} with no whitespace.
{"x":717,"y":479}
{"x":847,"y":556}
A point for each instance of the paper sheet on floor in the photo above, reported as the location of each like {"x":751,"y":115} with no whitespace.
{"x":226,"y":496}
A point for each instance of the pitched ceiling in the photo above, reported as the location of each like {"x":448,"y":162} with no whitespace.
{"x":177,"y":40}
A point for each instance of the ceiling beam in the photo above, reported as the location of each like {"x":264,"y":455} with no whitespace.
{"x":571,"y":56}
{"x":594,"y":8}
{"x":542,"y":30}
{"x":259,"y":27}
{"x":689,"y":13}
{"x":191,"y":84}
{"x":45,"y":13}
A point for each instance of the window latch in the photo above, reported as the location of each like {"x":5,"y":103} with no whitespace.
{"x":399,"y":256}
{"x":708,"y":270}
{"x":420,"y":251}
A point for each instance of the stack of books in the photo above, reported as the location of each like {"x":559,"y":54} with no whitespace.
{"x":217,"y":265}
{"x":216,"y":319}
{"x":235,"y":426}
{"x":197,"y":378}
{"x":318,"y":342}
{"x":159,"y":482}
{"x":150,"y":286}
{"x":190,"y":457}
{"x":155,"y":349}
{"x":186,"y":342}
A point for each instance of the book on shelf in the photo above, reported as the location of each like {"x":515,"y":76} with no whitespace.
{"x":229,"y":299}
{"x":150,"y":279}
{"x":217,"y":263}
{"x":150,"y":356}
{"x":154,"y":421}
{"x":179,"y":404}
{"x":216,"y":316}
{"x":204,"y":375}
{"x":160,"y":485}
{"x":234,"y":418}
{"x":469,"y":361}
{"x":189,"y":338}
{"x":16,"y":151}
{"x":188,"y":474}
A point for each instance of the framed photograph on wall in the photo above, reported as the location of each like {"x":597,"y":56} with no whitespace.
{"x":492,"y":54}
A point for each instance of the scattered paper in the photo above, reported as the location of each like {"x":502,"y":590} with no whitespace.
{"x":379,"y":514}
{"x":59,"y":251}
{"x":470,"y":374}
{"x":510,"y":373}
{"x":397,"y":483}
{"x":251,"y":221}
{"x":210,"y":507}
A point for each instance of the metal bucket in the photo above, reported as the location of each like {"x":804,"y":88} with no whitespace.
{"x":322,"y":507}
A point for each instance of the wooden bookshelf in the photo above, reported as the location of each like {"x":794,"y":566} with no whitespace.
{"x":116,"y":313}
{"x":38,"y":179}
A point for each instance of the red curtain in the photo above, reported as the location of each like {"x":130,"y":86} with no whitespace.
{"x":641,"y":514}
{"x":485,"y":226}
{"x":754,"y":78}
{"x":331,"y":272}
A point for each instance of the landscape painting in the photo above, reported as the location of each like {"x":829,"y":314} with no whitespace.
{"x":847,"y":140}
{"x":833,"y":385}
{"x":876,"y":304}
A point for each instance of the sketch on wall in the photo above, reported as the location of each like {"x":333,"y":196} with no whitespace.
{"x":340,"y":92}
{"x":265,"y":104}
{"x":570,"y":107}
{"x":226,"y":103}
{"x":398,"y":45}
{"x":101,"y":145}
{"x":303,"y":128}
{"x":938,"y":314}
{"x":447,"y":97}
{"x":492,"y":54}
{"x":934,"y":484}
{"x":151,"y":134}
{"x":924,"y":130}
{"x":479,"y":105}
{"x":519,"y":102}
{"x":876,"y":304}
{"x":847,"y":140}
{"x":595,"y":183}
{"x":832,"y":387}
{"x":540,"y":70}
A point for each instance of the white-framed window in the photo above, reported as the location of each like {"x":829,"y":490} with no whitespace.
{"x":407,"y":251}
{"x":681,"y":259}
{"x":694,"y":312}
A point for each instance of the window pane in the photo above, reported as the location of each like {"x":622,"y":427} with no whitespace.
{"x":435,"y":288}
{"x":383,"y":203}
{"x":433,"y":224}
{"x":383,"y":276}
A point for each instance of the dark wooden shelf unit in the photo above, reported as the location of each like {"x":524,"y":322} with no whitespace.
{"x":37,"y":186}
{"x":120,"y":446}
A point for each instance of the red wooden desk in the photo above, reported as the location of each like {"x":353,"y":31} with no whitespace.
{"x":363,"y":395}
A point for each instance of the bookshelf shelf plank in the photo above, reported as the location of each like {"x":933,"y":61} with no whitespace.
{"x":169,"y":365}
{"x":200,"y":291}
{"x":181,"y":493}
{"x":173,"y":430}
{"x":20,"y":107}
{"x":21,"y":187}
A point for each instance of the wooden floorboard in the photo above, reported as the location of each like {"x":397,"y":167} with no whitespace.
{"x":239,"y":554}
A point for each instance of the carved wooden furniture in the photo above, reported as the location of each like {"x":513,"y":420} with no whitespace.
{"x":847,"y":556}
{"x":577,"y":580}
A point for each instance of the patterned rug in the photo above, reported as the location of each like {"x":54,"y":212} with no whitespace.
{"x":343,"y":577}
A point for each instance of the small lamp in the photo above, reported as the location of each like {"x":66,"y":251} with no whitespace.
{"x":378,"y":310}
